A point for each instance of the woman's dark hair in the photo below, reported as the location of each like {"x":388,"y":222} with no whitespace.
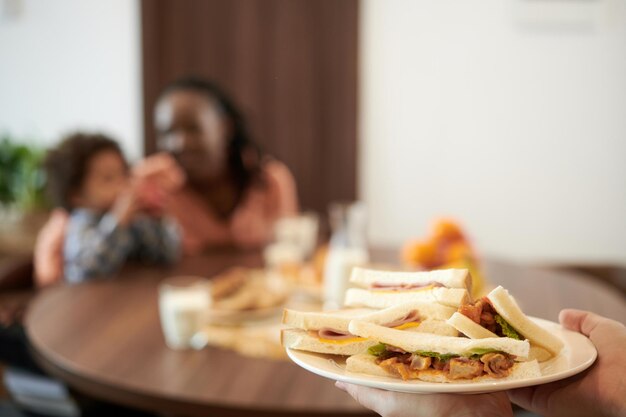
{"x":66,"y":165}
{"x":244,"y":155}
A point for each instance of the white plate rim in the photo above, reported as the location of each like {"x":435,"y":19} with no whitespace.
{"x":572,"y":340}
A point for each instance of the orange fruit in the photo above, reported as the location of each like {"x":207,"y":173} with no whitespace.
{"x":420,"y":253}
{"x":447,"y":230}
{"x":457,"y":251}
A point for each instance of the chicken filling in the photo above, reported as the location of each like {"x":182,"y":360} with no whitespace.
{"x":483,"y":313}
{"x":407,"y":365}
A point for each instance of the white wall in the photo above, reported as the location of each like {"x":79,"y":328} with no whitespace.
{"x":71,"y":64}
{"x":509,"y":115}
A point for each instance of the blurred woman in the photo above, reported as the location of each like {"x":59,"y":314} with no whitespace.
{"x":233,"y":193}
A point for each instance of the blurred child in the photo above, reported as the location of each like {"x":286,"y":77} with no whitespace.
{"x":113,"y":217}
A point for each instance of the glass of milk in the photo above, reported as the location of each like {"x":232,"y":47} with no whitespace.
{"x":183,"y":305}
{"x":347,"y":249}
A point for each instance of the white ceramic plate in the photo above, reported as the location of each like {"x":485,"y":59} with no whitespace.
{"x":577,"y":355}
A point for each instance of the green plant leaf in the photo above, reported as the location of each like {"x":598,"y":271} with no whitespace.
{"x":21,"y":175}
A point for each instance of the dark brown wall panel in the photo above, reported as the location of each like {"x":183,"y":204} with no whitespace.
{"x":291,"y":65}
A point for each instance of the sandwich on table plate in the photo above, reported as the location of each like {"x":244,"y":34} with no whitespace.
{"x":245,"y":289}
{"x":328,"y":332}
{"x":382,"y":289}
{"x":498,"y":315}
{"x":435,"y":358}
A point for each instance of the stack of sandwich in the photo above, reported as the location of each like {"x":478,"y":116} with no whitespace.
{"x":244,"y":289}
{"x":425,"y":326}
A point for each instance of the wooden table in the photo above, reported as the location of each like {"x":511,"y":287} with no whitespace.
{"x":104,"y":339}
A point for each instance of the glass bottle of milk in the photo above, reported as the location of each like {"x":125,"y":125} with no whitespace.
{"x":347,"y":248}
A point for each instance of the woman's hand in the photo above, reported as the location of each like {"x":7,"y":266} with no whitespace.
{"x":600,"y":391}
{"x":397,"y":404}
{"x":155,"y":178}
{"x":127,"y":205}
{"x":162,"y":170}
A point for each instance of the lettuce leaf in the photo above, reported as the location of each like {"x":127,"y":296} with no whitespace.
{"x":482,"y":351}
{"x":377,"y":350}
{"x":441,"y":356}
{"x":507,"y":329}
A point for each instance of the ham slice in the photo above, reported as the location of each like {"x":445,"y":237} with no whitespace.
{"x":404,"y":287}
{"x":332,"y":334}
{"x":409,"y":317}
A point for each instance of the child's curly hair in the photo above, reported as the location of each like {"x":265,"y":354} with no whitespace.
{"x":66,"y":165}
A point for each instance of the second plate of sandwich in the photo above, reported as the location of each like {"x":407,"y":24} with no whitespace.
{"x":243,"y":294}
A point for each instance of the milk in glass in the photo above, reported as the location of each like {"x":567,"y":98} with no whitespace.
{"x":183,"y":305}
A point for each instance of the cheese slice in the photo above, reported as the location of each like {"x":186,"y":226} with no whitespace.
{"x":342,"y":341}
{"x":408,"y":325}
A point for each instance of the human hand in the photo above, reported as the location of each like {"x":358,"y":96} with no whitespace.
{"x":600,"y":391}
{"x":127,"y":205}
{"x":162,"y":170}
{"x":156,"y":178}
{"x":397,"y":404}
{"x":48,"y":254}
{"x":152,"y":197}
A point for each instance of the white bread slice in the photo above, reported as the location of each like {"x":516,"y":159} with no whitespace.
{"x":506,"y":306}
{"x":432,"y":315}
{"x":366,"y":364}
{"x":434,"y":311}
{"x":316,"y":320}
{"x":469,"y":327}
{"x":439,"y":327}
{"x":302,"y":340}
{"x":453,"y":297}
{"x":538,"y":353}
{"x":451,"y":278}
{"x":411,"y":341}
{"x":473,"y":330}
